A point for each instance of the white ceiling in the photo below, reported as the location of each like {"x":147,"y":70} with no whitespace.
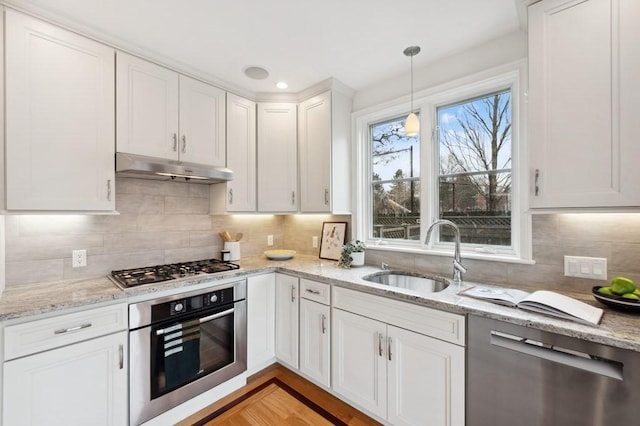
{"x":302,"y":42}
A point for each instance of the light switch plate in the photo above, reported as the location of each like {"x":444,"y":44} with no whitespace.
{"x":594,"y":268}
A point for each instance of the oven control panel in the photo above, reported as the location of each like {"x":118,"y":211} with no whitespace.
{"x":191,"y":304}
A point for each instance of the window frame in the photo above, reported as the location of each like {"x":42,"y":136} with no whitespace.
{"x":511,"y":77}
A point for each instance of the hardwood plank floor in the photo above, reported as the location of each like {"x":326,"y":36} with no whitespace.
{"x":266,"y":401}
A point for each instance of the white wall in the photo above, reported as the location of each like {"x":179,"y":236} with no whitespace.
{"x":497,"y":52}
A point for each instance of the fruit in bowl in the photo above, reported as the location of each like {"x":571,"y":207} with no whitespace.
{"x":621,"y":287}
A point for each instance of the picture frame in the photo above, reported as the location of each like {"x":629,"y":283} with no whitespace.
{"x":333,"y":235}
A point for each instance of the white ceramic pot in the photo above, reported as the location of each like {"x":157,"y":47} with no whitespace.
{"x":357,"y":258}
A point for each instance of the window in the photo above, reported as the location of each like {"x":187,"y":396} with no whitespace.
{"x":395,"y":182}
{"x":466,"y":165}
{"x":474,"y":181}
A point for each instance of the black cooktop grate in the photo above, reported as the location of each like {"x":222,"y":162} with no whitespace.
{"x":159,"y":273}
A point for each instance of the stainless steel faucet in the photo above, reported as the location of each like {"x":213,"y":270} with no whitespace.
{"x":458,"y":267}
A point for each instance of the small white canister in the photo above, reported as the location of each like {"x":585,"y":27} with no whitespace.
{"x":234,"y":249}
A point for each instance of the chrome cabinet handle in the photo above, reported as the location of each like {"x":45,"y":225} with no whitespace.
{"x":326,"y":196}
{"x":108,"y":189}
{"x":175,"y":142}
{"x":184,"y":144}
{"x":76,"y":328}
{"x":230,"y":195}
{"x":537,"y":186}
{"x":316,"y":292}
{"x":293,"y":293}
{"x":389,"y":347}
{"x":380,"y":344}
{"x":324,"y":324}
{"x":293,"y":198}
{"x":121,"y":354}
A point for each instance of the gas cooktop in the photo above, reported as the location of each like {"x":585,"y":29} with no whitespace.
{"x":159,"y":273}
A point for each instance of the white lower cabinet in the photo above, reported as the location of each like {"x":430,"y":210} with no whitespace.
{"x":400,"y":376}
{"x":315,"y":332}
{"x":80,"y":384}
{"x":261,"y":318}
{"x":287,"y":309}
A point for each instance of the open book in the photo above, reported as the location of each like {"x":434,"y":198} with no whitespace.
{"x":542,"y":301}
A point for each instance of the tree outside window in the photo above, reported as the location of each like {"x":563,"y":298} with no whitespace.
{"x":395,"y":182}
{"x":474,"y":142}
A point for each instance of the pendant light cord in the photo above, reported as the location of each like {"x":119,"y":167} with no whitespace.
{"x":411,"y":85}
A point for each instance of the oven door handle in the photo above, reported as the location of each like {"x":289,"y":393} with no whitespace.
{"x":216,"y":316}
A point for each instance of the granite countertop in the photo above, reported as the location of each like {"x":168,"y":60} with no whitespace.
{"x":618,"y":329}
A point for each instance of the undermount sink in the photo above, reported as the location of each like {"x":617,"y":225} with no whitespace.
{"x":419,"y":283}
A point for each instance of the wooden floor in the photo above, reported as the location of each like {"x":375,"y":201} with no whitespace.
{"x":277,"y":396}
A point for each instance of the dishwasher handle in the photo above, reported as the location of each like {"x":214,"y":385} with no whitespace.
{"x":586,"y":362}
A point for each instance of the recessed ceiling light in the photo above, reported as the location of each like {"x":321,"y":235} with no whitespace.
{"x":257,"y":73}
{"x":281,"y":85}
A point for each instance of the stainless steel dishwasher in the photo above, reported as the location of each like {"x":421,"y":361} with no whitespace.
{"x":522,"y":376}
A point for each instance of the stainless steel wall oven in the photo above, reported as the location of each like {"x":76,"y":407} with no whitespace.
{"x":183,"y":345}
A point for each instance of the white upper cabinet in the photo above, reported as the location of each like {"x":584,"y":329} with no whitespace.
{"x":584,"y":81}
{"x":59,"y":118}
{"x":241,"y":154}
{"x":314,"y":124}
{"x":277,"y":158}
{"x":167,"y":115}
{"x":147,"y":108}
{"x":324,"y":129}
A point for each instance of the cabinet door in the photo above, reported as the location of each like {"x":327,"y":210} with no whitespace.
{"x":59,"y":118}
{"x":277,"y":158}
{"x":261,"y":317}
{"x":147,"y":108}
{"x":583,"y":83}
{"x":315,"y":341}
{"x":202,"y":123}
{"x":425,"y":380}
{"x":241,"y":154}
{"x":358,"y":362}
{"x":80,"y":384}
{"x":314,"y":141}
{"x":287,"y":319}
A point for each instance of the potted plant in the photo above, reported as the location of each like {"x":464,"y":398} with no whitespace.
{"x":352,"y":254}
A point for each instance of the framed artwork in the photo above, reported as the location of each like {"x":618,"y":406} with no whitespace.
{"x":333,"y":234}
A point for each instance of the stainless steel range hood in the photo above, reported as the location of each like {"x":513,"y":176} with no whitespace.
{"x":143,"y":167}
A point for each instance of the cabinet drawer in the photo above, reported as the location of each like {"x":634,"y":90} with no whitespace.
{"x":48,"y":333}
{"x":316,"y":291}
{"x":430,"y":322}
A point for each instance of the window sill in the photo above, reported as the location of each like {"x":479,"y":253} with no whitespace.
{"x":415,"y":249}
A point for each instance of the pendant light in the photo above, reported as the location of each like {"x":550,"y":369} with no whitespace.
{"x":411,"y":124}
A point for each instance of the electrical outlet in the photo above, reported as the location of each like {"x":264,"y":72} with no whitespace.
{"x":269,"y":240}
{"x":78,"y":258}
{"x":594,"y":268}
{"x":314,"y":241}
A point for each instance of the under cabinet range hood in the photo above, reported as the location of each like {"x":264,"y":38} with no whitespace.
{"x":143,"y":167}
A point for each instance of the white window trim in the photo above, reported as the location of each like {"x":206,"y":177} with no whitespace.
{"x":512,"y":76}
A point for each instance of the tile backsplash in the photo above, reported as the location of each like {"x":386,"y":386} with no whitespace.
{"x":165,"y":222}
{"x":158,"y":222}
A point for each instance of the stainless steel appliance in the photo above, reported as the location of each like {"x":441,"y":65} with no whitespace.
{"x":183,"y":345}
{"x":159,"y":273}
{"x":519,"y":375}
{"x":141,"y":166}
